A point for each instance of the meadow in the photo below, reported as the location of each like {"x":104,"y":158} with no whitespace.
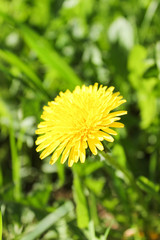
{"x":47,"y":47}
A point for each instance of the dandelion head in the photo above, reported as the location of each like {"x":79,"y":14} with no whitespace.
{"x":77,"y":120}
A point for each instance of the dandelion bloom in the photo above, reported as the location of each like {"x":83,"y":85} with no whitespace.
{"x":77,"y":120}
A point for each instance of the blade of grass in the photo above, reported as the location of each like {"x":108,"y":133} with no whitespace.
{"x":6,"y":188}
{"x":111,"y":161}
{"x":81,"y":203}
{"x":158,"y":57}
{"x":32,"y":77}
{"x":0,"y":225}
{"x":1,"y":176}
{"x":91,"y":231}
{"x":49,"y":56}
{"x":15,"y":163}
{"x":105,"y":236}
{"x":9,"y":75}
{"x":76,"y":231}
{"x":93,"y":208}
{"x":149,"y":187}
{"x":48,"y":221}
{"x":14,"y":155}
{"x":150,"y":12}
{"x":45,"y":52}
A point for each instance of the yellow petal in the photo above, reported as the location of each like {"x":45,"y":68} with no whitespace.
{"x":43,"y":130}
{"x":71,"y":157}
{"x":109,"y":138}
{"x":44,"y":145}
{"x":77,"y":151}
{"x":66,"y":153}
{"x":98,"y":144}
{"x":110,"y":131}
{"x":103,"y":136}
{"x":49,"y":150}
{"x":70,"y":163}
{"x":118,"y":113}
{"x":110,"y":89}
{"x":99,"y":135}
{"x":116,"y":125}
{"x":92,"y":146}
{"x":58,"y":152}
{"x":95,"y":87}
{"x":82,"y":152}
{"x":43,"y":138}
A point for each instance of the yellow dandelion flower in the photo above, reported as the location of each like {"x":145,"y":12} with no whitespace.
{"x":77,"y":120}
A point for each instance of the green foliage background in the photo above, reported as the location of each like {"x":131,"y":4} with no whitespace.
{"x":53,"y":45}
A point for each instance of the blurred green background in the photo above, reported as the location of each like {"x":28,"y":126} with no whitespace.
{"x":53,"y":45}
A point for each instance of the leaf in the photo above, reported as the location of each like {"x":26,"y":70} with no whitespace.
{"x":119,"y":154}
{"x":139,"y":68}
{"x":81,"y":203}
{"x":35,"y":198}
{"x":40,"y":13}
{"x":151,"y":72}
{"x":91,"y":167}
{"x":88,"y":167}
{"x":147,"y":102}
{"x":136,"y":63}
{"x":95,"y":185}
{"x":48,"y":221}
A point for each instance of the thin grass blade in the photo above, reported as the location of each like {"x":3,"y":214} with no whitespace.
{"x":48,"y":221}
{"x":15,"y":163}
{"x":49,"y":56}
{"x":0,"y":225}
{"x":12,"y":59}
{"x":105,"y":236}
{"x":81,"y":203}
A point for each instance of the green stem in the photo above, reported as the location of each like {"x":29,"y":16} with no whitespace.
{"x":126,"y":173}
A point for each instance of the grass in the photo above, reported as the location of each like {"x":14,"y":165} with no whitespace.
{"x":52,"y":46}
